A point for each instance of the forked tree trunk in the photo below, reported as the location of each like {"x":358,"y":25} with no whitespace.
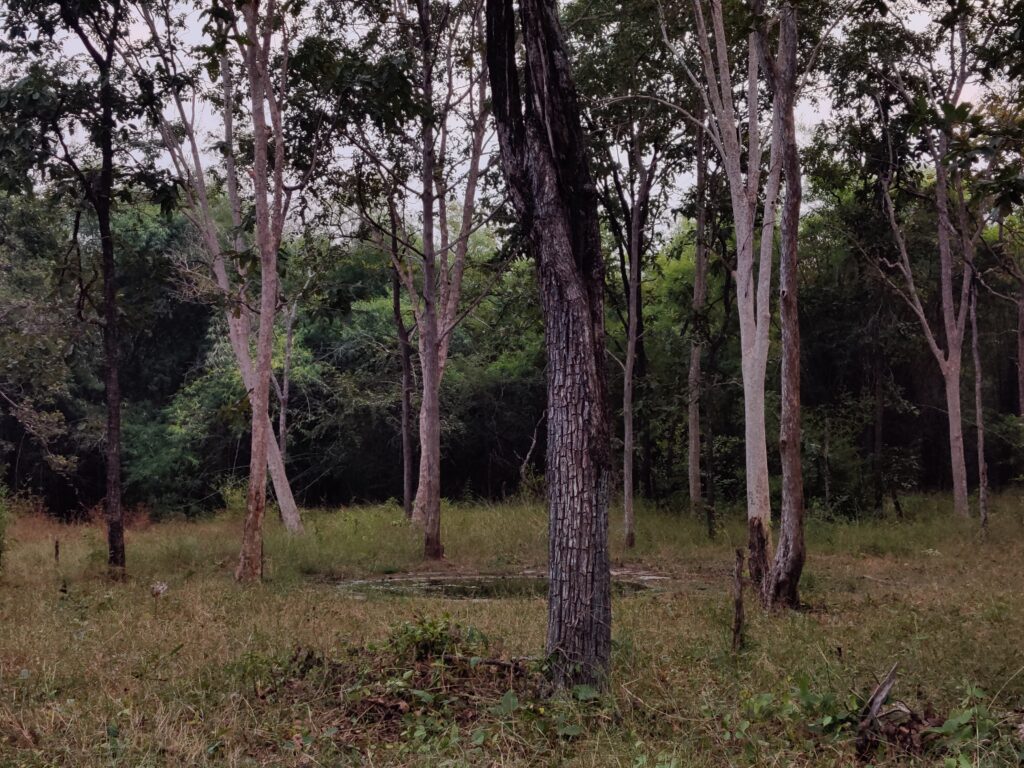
{"x":741,"y":164}
{"x":979,"y":411}
{"x":694,"y":379}
{"x":238,"y":317}
{"x":783,"y":587}
{"x":250,"y":560}
{"x":544,"y":160}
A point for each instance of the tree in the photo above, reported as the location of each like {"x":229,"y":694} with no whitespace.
{"x":931,"y":87}
{"x":742,"y":165}
{"x":637,"y":150}
{"x":452,"y":111}
{"x":543,"y":156}
{"x":782,"y":585}
{"x":54,"y":97}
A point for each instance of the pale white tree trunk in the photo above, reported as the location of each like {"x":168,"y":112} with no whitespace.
{"x":444,"y":262}
{"x":190,"y":170}
{"x":753,"y":267}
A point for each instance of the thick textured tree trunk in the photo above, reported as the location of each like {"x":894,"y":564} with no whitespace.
{"x":427,"y":508}
{"x":979,"y":410}
{"x":783,"y":587}
{"x":694,"y":379}
{"x":405,"y":353}
{"x":544,"y":161}
{"x":956,"y":438}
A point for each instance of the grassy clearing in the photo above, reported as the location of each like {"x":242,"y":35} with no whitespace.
{"x":298,"y":672}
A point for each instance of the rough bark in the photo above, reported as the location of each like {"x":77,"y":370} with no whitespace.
{"x":979,"y":410}
{"x":544,"y":161}
{"x":783,"y":587}
{"x":694,"y":377}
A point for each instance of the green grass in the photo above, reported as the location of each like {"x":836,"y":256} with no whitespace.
{"x":103,"y":674}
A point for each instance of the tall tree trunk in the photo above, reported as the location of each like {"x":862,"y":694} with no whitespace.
{"x":427,"y":508}
{"x":958,"y":463}
{"x":1020,"y":349}
{"x":102,"y":196}
{"x":636,"y":248}
{"x":783,"y":587}
{"x":238,"y":317}
{"x":544,"y":161}
{"x":250,"y":560}
{"x":694,"y":379}
{"x":877,"y":434}
{"x":405,"y":353}
{"x":979,"y":411}
{"x":112,"y":383}
{"x":741,"y":164}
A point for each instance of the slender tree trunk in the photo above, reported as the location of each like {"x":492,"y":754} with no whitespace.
{"x":544,"y":160}
{"x":694,"y":378}
{"x":112,"y":384}
{"x":877,"y":436}
{"x":709,"y":501}
{"x":427,"y":508}
{"x":101,"y":196}
{"x":1020,"y":350}
{"x":956,"y":437}
{"x":250,"y":560}
{"x":405,"y":353}
{"x":636,"y":227}
{"x":979,"y":410}
{"x":783,"y":587}
{"x":286,"y":380}
{"x":238,"y":318}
